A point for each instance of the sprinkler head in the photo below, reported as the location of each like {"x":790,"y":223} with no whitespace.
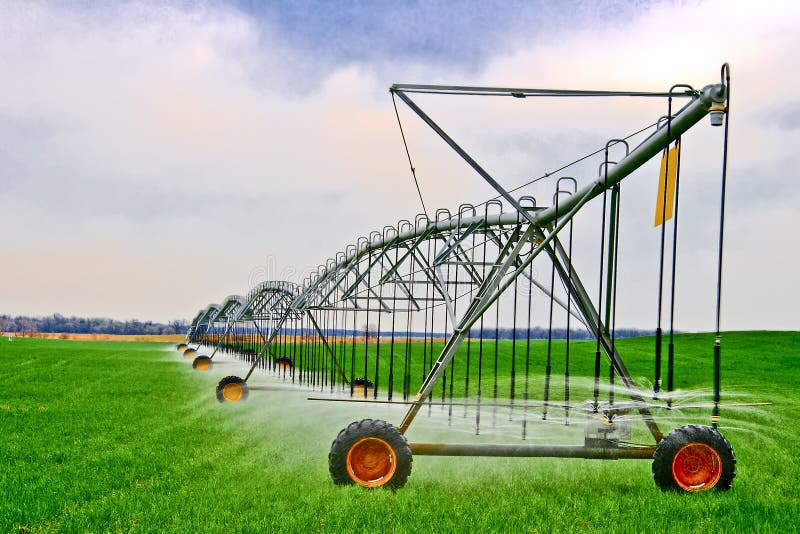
{"x":717,"y":115}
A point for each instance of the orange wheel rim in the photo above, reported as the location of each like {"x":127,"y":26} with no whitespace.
{"x":203,"y":365}
{"x":361,"y":391}
{"x":696,"y":467}
{"x":371,"y":462}
{"x":188,"y":353}
{"x":232,"y":392}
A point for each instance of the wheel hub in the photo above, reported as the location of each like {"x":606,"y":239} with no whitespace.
{"x":371,"y":462}
{"x":696,"y":467}
{"x":232,"y":392}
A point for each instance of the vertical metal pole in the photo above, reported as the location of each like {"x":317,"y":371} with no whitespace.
{"x":671,"y":346}
{"x":612,"y":232}
{"x":612,"y":354}
{"x":726,"y":74}
{"x":600,"y":331}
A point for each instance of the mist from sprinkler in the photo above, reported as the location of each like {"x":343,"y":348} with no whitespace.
{"x":275,"y":399}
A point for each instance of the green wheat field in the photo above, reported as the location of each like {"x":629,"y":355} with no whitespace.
{"x":125,"y":437}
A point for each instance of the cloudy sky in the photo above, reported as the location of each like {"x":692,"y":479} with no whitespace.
{"x":157,"y":156}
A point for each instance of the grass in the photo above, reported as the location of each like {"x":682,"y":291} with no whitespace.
{"x":114,"y":436}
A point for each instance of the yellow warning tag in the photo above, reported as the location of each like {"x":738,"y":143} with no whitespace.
{"x":666,"y":180}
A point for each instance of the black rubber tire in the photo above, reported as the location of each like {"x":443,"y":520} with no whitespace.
{"x":180,"y":347}
{"x":362,"y":388}
{"x":370,"y":428}
{"x":189,"y":352}
{"x":366,"y":382}
{"x":680,"y":437}
{"x":283,"y":362}
{"x":202,"y":363}
{"x":231,"y":380}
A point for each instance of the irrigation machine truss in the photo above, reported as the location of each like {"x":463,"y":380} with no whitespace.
{"x":413,"y":314}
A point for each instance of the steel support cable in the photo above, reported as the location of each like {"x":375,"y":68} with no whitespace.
{"x":505,"y":194}
{"x":568,"y":165}
{"x":725,"y":74}
{"x":408,"y":155}
{"x":696,"y":109}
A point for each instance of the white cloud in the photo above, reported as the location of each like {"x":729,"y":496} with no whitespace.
{"x":143,"y":128}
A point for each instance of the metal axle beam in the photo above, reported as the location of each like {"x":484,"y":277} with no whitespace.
{"x":533,"y":451}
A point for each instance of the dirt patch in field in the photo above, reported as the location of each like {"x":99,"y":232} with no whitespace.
{"x":104,"y":337}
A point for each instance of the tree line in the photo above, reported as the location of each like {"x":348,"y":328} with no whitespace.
{"x":58,"y":323}
{"x":534,"y":332}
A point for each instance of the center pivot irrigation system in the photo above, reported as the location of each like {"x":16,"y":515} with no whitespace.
{"x":413,"y":315}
